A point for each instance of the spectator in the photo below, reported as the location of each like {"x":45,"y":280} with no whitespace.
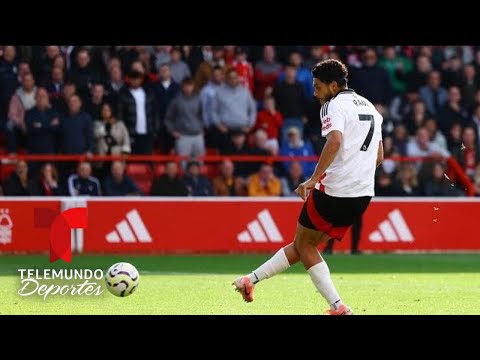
{"x":169,"y":183}
{"x":138,"y":110}
{"x":455,"y":138}
{"x":178,"y":67}
{"x":302,"y":74}
{"x":290,"y":99}
{"x":421,"y":146}
{"x":226,"y":184}
{"x":184,"y":121}
{"x":94,"y":104}
{"x":468,"y":156}
{"x":397,"y":66}
{"x":207,"y":96}
{"x":264,"y":183}
{"x":8,"y":81}
{"x":76,"y":129}
{"x":401,"y":104}
{"x":267,"y":73}
{"x":233,"y":107}
{"x":161,"y":55}
{"x":46,"y":64}
{"x":111,"y":135}
{"x":60,"y":103}
{"x":84,"y":75}
{"x":243,"y":68}
{"x":383,"y":184}
{"x":19,"y":183}
{"x":165,"y":91}
{"x":406,"y":183}
{"x":418,"y":77}
{"x":435,"y":135}
{"x":42,"y":124}
{"x":438,"y":185}
{"x":196,"y":183}
{"x":47,"y":184}
{"x":371,"y":73}
{"x":400,"y":139}
{"x":22,"y":101}
{"x":475,"y":122}
{"x":82,"y":183}
{"x":469,"y":86}
{"x":55,"y":84}
{"x":117,"y":183}
{"x":295,"y":146}
{"x":433,"y":94}
{"x":452,"y":110}
{"x":114,"y":85}
{"x":294,"y":178}
{"x":270,"y":120}
{"x":417,"y":117}
{"x":317,"y":54}
{"x":238,"y":146}
{"x":452,"y":72}
{"x":477,"y":181}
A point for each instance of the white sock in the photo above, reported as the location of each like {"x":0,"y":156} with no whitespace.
{"x":276,"y":264}
{"x":320,"y":275}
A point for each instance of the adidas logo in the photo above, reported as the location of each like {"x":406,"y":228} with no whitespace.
{"x":393,"y":229}
{"x":261,"y":230}
{"x":130,"y":230}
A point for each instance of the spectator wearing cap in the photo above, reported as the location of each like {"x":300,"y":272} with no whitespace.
{"x":184,"y":121}
{"x":243,"y":68}
{"x":233,"y":108}
{"x":178,"y":67}
{"x":295,"y":146}
{"x":267,"y":72}
{"x":196,"y":183}
{"x":138,"y":110}
{"x":291,"y":101}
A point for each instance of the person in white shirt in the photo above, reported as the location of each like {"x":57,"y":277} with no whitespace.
{"x":340,"y":188}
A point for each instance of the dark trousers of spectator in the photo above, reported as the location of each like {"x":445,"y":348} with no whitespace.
{"x":214,"y":138}
{"x":142,"y":144}
{"x":165,"y":141}
{"x":15,"y":138}
{"x":356,"y":234}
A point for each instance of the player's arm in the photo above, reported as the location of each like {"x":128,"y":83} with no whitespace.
{"x":330,"y":150}
{"x":380,"y":153}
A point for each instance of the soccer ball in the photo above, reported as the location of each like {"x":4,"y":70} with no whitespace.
{"x":122,"y":279}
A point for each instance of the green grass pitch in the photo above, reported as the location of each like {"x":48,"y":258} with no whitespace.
{"x":370,"y":284}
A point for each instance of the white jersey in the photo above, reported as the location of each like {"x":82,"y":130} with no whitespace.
{"x":352,"y":172}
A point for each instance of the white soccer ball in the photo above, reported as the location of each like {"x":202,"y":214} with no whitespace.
{"x":122,"y":279}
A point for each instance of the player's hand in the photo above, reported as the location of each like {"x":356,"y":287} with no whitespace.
{"x":304,"y":188}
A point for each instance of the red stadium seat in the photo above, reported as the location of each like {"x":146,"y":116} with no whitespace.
{"x":142,"y":174}
{"x":144,"y":185}
{"x":159,"y":169}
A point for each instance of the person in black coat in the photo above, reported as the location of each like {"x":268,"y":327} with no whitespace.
{"x":19,"y":183}
{"x":169,"y":183}
{"x":142,"y":128}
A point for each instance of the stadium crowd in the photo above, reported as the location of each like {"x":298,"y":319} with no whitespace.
{"x":227,"y":100}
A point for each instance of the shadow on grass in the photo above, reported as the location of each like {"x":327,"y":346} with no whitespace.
{"x":240,"y":264}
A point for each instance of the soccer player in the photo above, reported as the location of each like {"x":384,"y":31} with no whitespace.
{"x":339,"y":190}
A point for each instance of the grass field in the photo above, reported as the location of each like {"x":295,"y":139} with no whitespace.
{"x":370,"y":284}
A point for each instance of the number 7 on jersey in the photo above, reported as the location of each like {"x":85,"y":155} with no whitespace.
{"x":368,"y":139}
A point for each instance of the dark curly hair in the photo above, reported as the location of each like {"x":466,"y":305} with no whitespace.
{"x":331,"y":70}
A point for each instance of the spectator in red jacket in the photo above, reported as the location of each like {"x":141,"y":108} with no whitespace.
{"x":244,"y":68}
{"x":270,"y":120}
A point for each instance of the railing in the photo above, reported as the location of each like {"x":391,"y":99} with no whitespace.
{"x":456,"y":172}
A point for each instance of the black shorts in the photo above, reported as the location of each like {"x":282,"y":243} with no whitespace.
{"x":331,"y":215}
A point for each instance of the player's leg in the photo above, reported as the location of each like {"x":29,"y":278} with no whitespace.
{"x":306,"y":242}
{"x":280,"y":261}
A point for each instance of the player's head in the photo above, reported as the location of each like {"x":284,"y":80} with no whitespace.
{"x":329,"y":76}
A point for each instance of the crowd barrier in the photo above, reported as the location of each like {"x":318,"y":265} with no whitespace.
{"x":236,"y":225}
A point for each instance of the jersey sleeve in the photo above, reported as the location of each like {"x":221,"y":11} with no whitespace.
{"x":332,"y":118}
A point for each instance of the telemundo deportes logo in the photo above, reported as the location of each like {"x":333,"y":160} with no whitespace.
{"x":74,"y":282}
